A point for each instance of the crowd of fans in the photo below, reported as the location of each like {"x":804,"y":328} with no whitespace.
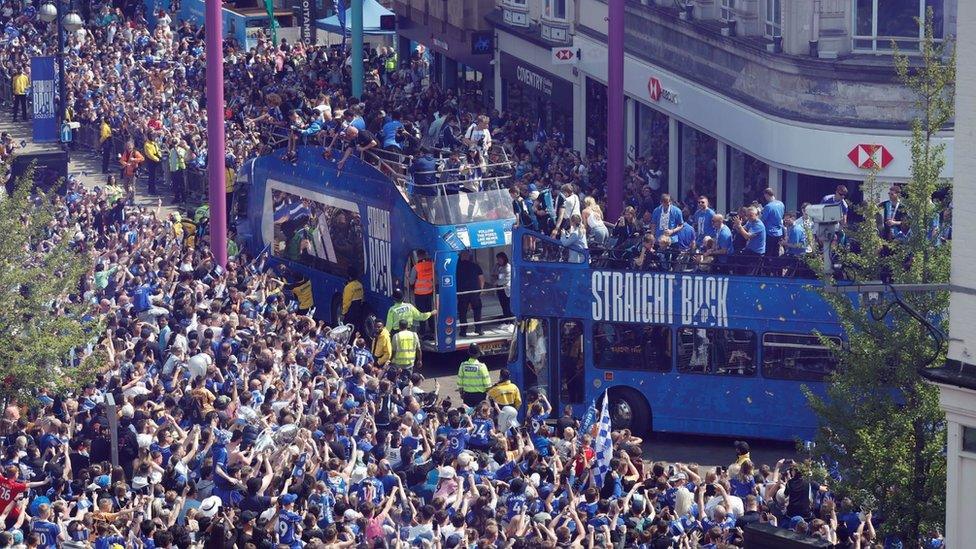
{"x":242,"y":422}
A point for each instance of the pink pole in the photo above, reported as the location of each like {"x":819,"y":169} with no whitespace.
{"x":615,"y":109}
{"x":215,"y":132}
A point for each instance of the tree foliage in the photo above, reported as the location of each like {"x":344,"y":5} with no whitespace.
{"x":39,"y":326}
{"x":883,"y":424}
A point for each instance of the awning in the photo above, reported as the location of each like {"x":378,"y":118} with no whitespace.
{"x":372,"y":11}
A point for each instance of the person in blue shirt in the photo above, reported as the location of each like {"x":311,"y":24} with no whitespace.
{"x":225,"y":484}
{"x":142,"y":295}
{"x":481,"y":435}
{"x":701,"y":221}
{"x":753,"y":231}
{"x":289,"y":522}
{"x":389,"y":132}
{"x":50,"y":534}
{"x":795,"y":239}
{"x":685,"y":238}
{"x":723,"y":239}
{"x":666,"y":218}
{"x":772,"y":218}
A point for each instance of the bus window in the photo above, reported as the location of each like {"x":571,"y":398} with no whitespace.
{"x":537,"y":353}
{"x":571,"y":379}
{"x":799,"y":357}
{"x":714,"y":351}
{"x":317,"y":234}
{"x":631,"y":347}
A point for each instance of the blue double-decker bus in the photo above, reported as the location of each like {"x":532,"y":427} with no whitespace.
{"x":688,"y":349}
{"x":372,"y":220}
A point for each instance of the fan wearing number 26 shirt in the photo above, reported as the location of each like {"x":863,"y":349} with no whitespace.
{"x":10,"y":488}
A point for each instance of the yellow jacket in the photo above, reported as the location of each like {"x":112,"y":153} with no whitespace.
{"x":382,"y":347}
{"x":20,"y":84}
{"x":152,"y":150}
{"x":104,"y":132}
{"x":230,"y":179}
{"x":352,"y":292}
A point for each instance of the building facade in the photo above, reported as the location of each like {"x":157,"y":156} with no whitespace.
{"x":727,"y":97}
{"x":957,"y":379}
{"x":457,"y":39}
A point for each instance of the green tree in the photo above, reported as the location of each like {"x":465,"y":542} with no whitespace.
{"x":39,"y":325}
{"x":882,"y":421}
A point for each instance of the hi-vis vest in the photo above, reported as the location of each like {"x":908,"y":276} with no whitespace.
{"x":425,"y":278}
{"x":391,"y":63}
{"x":405,"y":343}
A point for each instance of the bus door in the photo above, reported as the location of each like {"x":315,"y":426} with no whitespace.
{"x":568,"y":374}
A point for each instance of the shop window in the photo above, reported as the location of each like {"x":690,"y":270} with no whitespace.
{"x":797,"y":357}
{"x":631,"y":347}
{"x":773,"y":24}
{"x":596,"y":118}
{"x":879,"y":23}
{"x":718,"y":352}
{"x":652,"y":142}
{"x":969,"y":439}
{"x":747,"y":176}
{"x":698,"y":153}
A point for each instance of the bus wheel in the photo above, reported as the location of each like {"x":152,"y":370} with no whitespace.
{"x":629,"y":410}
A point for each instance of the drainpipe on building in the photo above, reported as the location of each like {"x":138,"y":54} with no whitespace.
{"x":815,"y":32}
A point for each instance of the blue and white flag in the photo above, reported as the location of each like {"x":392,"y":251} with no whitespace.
{"x":603,"y":445}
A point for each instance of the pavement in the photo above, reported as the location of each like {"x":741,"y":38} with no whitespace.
{"x":85,"y":165}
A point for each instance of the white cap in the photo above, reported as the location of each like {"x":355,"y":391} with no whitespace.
{"x":209,"y":506}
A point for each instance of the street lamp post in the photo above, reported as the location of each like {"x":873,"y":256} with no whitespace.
{"x":70,"y":22}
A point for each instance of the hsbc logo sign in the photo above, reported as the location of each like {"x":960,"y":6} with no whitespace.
{"x":870,"y":157}
{"x":657,"y":92}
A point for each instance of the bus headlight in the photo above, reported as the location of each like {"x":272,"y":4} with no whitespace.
{"x":448,"y":340}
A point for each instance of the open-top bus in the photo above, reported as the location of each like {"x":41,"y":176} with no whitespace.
{"x":688,"y":349}
{"x":371,"y":219}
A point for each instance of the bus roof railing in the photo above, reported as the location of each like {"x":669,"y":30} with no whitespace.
{"x":544,"y":249}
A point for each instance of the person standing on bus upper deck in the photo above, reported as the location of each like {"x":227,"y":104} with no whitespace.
{"x":422,"y":279}
{"x":701,"y":221}
{"x":723,"y":239}
{"x":684,"y":238}
{"x":839,"y":197}
{"x":356,"y":140}
{"x":478,"y":136}
{"x":471,"y":281}
{"x":795,"y":240}
{"x":772,"y":218}
{"x":568,"y":206}
{"x":666,"y":218}
{"x":753,"y":231}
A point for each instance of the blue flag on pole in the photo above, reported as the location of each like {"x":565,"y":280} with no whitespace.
{"x":44,"y":88}
{"x":340,"y":7}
